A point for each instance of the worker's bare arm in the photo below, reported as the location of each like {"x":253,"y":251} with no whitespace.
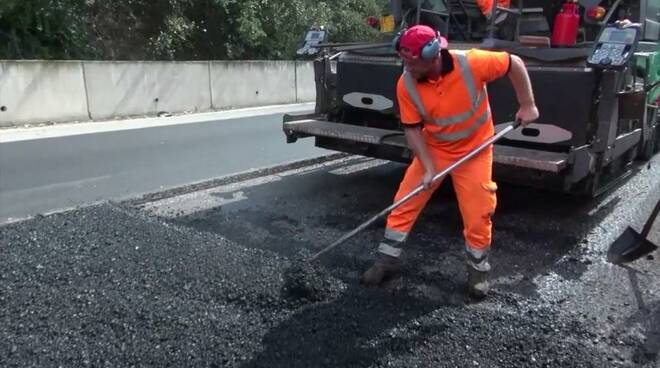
{"x":519,"y":77}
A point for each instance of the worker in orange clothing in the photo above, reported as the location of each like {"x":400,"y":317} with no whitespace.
{"x":486,"y":6}
{"x":445,"y":111}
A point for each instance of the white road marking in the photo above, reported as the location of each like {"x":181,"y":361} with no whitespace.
{"x":352,"y":169}
{"x":70,"y":129}
{"x":11,"y":220}
{"x":188,"y":203}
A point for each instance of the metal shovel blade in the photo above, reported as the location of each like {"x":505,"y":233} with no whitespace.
{"x":629,"y":246}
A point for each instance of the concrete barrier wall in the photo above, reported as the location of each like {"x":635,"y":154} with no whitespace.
{"x":35,"y":91}
{"x":305,"y":84}
{"x":129,"y":88}
{"x":252,"y":83}
{"x":38,"y":91}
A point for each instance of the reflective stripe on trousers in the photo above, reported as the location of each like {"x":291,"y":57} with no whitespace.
{"x":392,"y":242}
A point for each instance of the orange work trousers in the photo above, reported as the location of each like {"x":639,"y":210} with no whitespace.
{"x":486,"y":6}
{"x":475,"y":191}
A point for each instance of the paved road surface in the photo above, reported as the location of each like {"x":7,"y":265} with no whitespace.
{"x":197,"y":277}
{"x":44,"y":175}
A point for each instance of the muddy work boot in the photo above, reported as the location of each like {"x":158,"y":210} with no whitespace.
{"x":384,"y":268}
{"x":478,"y":269}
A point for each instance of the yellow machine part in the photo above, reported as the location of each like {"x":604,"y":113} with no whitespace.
{"x":387,"y":24}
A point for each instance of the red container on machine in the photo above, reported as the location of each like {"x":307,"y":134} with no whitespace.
{"x":567,"y":23}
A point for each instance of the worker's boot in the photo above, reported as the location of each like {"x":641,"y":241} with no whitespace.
{"x":478,"y":269}
{"x":386,"y":266}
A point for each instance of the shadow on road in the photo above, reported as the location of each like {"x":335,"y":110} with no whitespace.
{"x":533,"y":230}
{"x":535,"y":233}
{"x":648,"y":317}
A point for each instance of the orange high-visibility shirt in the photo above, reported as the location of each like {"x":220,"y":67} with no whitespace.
{"x":487,"y":5}
{"x":454,"y":109}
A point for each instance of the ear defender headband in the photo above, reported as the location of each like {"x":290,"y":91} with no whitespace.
{"x":397,"y":40}
{"x":429,"y":50}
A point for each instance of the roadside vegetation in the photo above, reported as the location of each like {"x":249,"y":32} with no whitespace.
{"x":175,"y":29}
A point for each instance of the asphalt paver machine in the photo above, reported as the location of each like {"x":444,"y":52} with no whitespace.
{"x":597,"y":89}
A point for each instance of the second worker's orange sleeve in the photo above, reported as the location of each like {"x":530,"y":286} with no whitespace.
{"x":407,"y":109}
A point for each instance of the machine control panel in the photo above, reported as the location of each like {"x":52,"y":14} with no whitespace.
{"x":614,"y":47}
{"x":313,"y":38}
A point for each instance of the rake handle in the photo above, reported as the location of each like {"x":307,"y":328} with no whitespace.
{"x":650,"y":221}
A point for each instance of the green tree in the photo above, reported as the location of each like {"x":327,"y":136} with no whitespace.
{"x":175,"y":29}
{"x":273,"y":28}
{"x":51,"y":29}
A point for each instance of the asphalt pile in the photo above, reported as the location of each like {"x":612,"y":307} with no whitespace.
{"x":309,"y":281}
{"x":110,"y":286}
{"x":106,"y":286}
